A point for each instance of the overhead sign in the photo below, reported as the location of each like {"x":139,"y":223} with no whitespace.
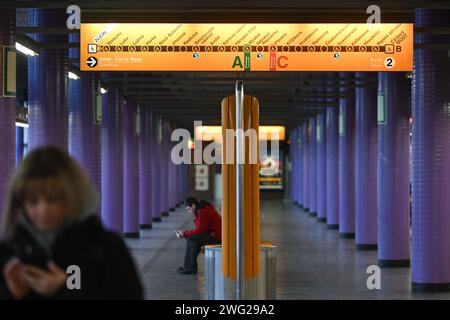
{"x":246,"y":47}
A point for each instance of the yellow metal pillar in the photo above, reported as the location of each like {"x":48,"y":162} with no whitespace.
{"x":251,"y":188}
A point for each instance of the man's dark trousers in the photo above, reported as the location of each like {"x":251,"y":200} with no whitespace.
{"x":194,"y":245}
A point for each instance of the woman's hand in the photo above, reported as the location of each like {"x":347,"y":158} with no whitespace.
{"x":15,"y":280}
{"x":45,"y":282}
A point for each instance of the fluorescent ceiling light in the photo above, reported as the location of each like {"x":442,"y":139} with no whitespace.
{"x":22,"y":124}
{"x":25,"y":50}
{"x":73,"y":76}
{"x":103,"y":90}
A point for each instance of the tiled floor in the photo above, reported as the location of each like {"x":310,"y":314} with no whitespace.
{"x":312,"y":262}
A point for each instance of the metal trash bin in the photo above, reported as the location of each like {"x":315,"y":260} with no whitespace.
{"x":262,"y":287}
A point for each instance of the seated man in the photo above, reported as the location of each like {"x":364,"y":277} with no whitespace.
{"x":208,"y":230}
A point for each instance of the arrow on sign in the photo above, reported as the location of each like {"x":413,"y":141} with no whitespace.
{"x":92,"y":62}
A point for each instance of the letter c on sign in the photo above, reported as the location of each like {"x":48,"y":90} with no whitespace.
{"x":279,"y":62}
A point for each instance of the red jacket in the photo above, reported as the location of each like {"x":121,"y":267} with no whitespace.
{"x":207,"y":220}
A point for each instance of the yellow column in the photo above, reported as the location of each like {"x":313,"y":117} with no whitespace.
{"x":251,"y":191}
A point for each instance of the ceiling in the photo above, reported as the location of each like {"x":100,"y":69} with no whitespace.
{"x":285,"y":97}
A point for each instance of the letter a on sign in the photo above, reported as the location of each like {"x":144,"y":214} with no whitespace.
{"x":237,"y":62}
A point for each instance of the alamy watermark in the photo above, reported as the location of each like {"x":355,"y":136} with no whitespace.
{"x":374,"y":280}
{"x":213,"y":152}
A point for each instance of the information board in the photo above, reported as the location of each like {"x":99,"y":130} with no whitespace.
{"x":246,"y":47}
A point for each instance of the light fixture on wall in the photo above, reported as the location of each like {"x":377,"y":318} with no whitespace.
{"x":25,"y":50}
{"x":73,"y":75}
{"x":27,"y":46}
{"x":22,"y":124}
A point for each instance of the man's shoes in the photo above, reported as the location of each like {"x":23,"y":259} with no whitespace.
{"x":182,"y":270}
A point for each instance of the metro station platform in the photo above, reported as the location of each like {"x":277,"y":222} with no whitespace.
{"x":313,"y":262}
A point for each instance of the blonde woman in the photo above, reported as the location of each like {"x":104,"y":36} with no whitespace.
{"x":53,"y":244}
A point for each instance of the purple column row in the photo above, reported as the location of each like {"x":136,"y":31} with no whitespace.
{"x":294,"y":166}
{"x":112,"y":162}
{"x":366,"y":164}
{"x":321,"y":168}
{"x":164,"y":169}
{"x":431,"y":157}
{"x":84,"y":133}
{"x":47,"y":83}
{"x":305,"y":161}
{"x":312,"y":167}
{"x":332,"y":191}
{"x":146,"y":186}
{"x":300,"y":160}
{"x":346,"y":160}
{"x":394,"y":91}
{"x":156,"y":141}
{"x":130,"y":171}
{"x":7,"y":107}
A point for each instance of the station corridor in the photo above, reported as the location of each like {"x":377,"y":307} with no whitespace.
{"x":299,"y":150}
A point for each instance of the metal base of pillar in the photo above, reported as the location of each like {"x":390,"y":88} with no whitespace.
{"x":366,"y":247}
{"x":332,"y":226}
{"x":347,"y":235}
{"x":165,"y":214}
{"x":313,"y":214}
{"x":157,"y":219}
{"x":131,"y":235}
{"x":321,"y":220}
{"x":261,"y":287}
{"x":394,"y":263}
{"x":146,"y":226}
{"x":431,"y":287}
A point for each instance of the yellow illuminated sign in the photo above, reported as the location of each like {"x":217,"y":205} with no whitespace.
{"x":246,"y":47}
{"x":214,"y":133}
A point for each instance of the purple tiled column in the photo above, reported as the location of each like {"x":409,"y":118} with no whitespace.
{"x":305,"y":171}
{"x":178,"y":183}
{"x":112,"y":161}
{"x":7,"y":108}
{"x":366,"y":164}
{"x":431,"y":157}
{"x":321,"y":168}
{"x":84,"y":134}
{"x":299,"y":171}
{"x":130,"y":171}
{"x":312,"y":167}
{"x":156,"y":168}
{"x":393,"y":170}
{"x":346,"y":159}
{"x":164,"y":170}
{"x":145,"y":167}
{"x":332,"y":168}
{"x":47,"y":83}
{"x":19,"y":144}
{"x":293,"y":156}
{"x":171,"y":171}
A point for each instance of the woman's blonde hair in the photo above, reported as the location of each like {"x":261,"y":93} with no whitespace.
{"x":40,"y":165}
